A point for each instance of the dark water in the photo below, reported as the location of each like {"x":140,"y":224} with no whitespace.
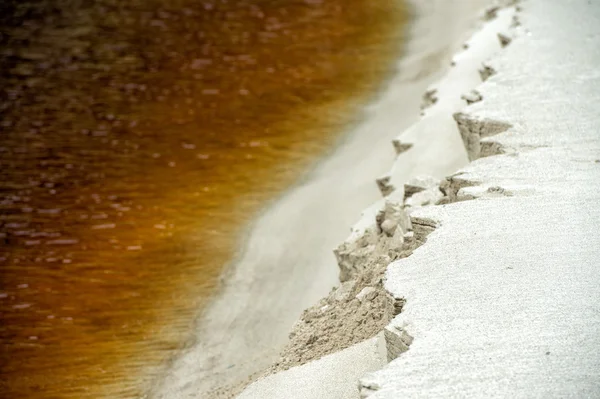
{"x":137,"y":138}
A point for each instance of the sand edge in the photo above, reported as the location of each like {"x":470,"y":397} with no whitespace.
{"x":386,"y":232}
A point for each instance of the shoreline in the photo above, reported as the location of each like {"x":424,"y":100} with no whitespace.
{"x":241,"y":332}
{"x":355,"y":315}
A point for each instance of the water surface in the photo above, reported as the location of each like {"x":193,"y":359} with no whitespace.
{"x":137,"y":138}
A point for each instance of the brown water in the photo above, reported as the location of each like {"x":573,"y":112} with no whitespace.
{"x":137,"y":138}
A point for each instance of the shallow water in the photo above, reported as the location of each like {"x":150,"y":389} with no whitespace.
{"x":137,"y":138}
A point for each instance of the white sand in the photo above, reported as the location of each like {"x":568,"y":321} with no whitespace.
{"x":502,"y":299}
{"x":288,"y":263}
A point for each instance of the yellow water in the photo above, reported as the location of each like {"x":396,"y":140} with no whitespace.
{"x":138,"y":137}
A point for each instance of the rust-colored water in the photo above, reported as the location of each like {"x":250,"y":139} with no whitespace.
{"x":137,"y":138}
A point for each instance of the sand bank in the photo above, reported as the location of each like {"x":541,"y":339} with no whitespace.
{"x":288,"y":263}
{"x":499,"y":297}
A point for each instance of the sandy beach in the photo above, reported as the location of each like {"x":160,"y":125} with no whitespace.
{"x":308,"y":199}
{"x":287,"y":263}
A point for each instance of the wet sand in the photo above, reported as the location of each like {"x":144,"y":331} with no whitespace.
{"x":138,"y":139}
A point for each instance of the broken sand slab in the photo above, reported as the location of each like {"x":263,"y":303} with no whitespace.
{"x":437,"y":124}
{"x":434,"y":142}
{"x":501,"y":300}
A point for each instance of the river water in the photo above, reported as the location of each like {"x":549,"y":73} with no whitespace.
{"x":138,"y":137}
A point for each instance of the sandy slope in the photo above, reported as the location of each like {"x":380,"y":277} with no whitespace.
{"x":502,"y":299}
{"x":288,"y":262}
